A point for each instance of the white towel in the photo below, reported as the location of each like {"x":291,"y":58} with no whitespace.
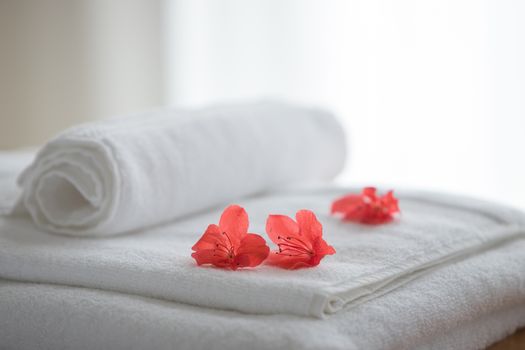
{"x":370,"y":260}
{"x":464,"y":306}
{"x":11,"y":165}
{"x":128,"y":173}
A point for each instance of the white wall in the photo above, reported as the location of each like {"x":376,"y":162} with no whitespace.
{"x":67,"y":61}
{"x":431,"y":92}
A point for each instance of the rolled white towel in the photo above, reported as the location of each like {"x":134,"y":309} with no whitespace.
{"x":128,"y":173}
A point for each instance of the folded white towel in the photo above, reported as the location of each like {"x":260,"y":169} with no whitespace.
{"x":128,"y":173}
{"x":11,"y":165}
{"x":433,"y":231}
{"x":464,"y":306}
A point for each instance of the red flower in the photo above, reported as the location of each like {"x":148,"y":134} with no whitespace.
{"x":300,"y":243}
{"x":367,"y":207}
{"x":228,"y":245}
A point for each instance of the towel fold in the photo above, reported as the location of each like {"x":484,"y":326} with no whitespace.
{"x":12,"y":163}
{"x":463,"y":306}
{"x":128,"y":173}
{"x":434,"y":231}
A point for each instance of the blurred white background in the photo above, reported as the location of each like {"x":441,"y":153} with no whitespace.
{"x":432,"y":93}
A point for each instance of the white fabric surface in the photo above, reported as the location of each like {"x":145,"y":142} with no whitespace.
{"x":466,"y":305}
{"x":124,"y":174}
{"x":11,"y":165}
{"x":433,"y":231}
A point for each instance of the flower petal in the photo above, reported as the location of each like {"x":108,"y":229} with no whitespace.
{"x":281,"y":225}
{"x":252,"y":251}
{"x":370,"y":192}
{"x":391,"y":202}
{"x":346,"y":203}
{"x":234,"y":221}
{"x":310,"y":228}
{"x":209,"y":256}
{"x":212,"y":248}
{"x":209,"y":238}
{"x":287,"y":262}
{"x":322,"y":248}
{"x":367,"y":207}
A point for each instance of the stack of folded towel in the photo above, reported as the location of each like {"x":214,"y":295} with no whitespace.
{"x":450,"y":273}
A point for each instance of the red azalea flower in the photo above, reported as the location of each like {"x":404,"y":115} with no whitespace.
{"x":300,"y":243}
{"x":228,"y":245}
{"x":367,"y":207}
